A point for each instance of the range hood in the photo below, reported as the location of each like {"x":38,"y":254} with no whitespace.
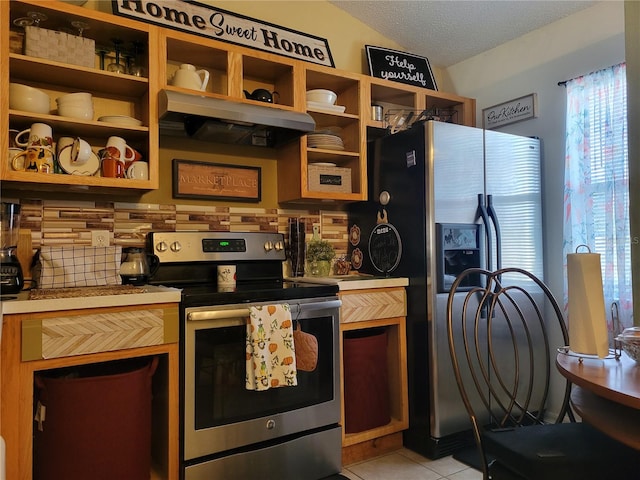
{"x":225,"y":121}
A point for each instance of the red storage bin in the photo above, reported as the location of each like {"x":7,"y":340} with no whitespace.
{"x":97,"y":422}
{"x":366,"y":379}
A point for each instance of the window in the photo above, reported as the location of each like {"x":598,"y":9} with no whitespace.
{"x":596,"y":200}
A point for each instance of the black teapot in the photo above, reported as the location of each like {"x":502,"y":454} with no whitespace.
{"x":261,"y":95}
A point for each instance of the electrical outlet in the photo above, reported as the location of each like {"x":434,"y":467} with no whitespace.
{"x":99,"y":238}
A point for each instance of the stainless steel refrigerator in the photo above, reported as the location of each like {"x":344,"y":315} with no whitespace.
{"x":457,"y":197}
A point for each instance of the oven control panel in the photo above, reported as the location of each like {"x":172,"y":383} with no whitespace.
{"x":222,"y":245}
{"x":217,"y":246}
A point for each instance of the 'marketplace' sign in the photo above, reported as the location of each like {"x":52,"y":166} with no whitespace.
{"x":208,"y":21}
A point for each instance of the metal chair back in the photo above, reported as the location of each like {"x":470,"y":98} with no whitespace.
{"x":503,"y":338}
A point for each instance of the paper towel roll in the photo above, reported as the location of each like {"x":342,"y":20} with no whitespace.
{"x":587,"y":316}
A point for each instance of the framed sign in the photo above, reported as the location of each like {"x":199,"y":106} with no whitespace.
{"x":211,"y":22}
{"x":215,"y":181}
{"x":515,"y":110}
{"x":385,"y":248}
{"x":400,"y":67}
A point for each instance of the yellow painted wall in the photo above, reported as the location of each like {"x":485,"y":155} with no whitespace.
{"x":346,"y":37}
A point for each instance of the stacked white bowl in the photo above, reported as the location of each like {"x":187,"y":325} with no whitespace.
{"x":320,"y":95}
{"x":76,"y":105}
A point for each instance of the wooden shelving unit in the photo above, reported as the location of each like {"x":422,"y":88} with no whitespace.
{"x":113,"y":94}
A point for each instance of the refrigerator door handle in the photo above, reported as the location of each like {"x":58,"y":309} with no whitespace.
{"x":496,"y":225}
{"x":484,"y":215}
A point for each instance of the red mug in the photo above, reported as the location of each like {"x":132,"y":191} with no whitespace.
{"x":112,"y":167}
{"x":136,"y":157}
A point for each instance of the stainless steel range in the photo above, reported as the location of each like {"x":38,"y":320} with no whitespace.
{"x":227,"y":431}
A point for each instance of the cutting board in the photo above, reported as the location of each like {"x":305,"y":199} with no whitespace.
{"x":24,"y":251}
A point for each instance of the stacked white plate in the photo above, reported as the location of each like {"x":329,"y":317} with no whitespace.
{"x":326,"y":107}
{"x":328,"y":141}
{"x":121,"y":120}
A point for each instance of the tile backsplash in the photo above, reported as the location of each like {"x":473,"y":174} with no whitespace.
{"x":55,"y":222}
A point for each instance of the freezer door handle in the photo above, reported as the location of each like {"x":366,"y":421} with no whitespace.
{"x":494,"y":217}
{"x":484,"y":215}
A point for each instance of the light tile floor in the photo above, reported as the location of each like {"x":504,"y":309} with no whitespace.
{"x":405,"y":464}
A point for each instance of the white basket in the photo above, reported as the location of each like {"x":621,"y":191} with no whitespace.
{"x":59,"y":46}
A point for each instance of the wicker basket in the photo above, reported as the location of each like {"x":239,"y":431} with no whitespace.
{"x":59,"y":46}
{"x":323,"y":178}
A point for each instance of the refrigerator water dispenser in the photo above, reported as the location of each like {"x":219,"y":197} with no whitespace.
{"x":458,"y":248}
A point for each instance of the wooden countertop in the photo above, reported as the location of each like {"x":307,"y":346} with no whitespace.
{"x":153,"y":294}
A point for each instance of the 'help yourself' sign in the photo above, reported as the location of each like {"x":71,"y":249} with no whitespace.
{"x":400,"y":67}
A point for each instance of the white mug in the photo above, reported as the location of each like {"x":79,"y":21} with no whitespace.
{"x":118,"y":148}
{"x":80,"y":152}
{"x":34,"y":159}
{"x":39,"y":135}
{"x":226,"y":276}
{"x":138,"y":171}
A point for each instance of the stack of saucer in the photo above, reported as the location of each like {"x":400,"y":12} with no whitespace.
{"x":326,"y":140}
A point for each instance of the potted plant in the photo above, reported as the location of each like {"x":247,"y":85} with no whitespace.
{"x":320,"y":253}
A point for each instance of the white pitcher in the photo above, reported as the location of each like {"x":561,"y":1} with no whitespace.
{"x":188,"y":77}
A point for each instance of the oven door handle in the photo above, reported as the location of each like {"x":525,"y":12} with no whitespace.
{"x":217,"y":314}
{"x":296,"y":309}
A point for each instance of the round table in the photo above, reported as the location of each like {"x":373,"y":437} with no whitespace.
{"x":605,"y":393}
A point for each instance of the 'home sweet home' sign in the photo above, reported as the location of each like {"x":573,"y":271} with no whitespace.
{"x":207,"y":21}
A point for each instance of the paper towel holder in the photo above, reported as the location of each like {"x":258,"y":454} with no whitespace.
{"x":614,"y":353}
{"x":617,"y":329}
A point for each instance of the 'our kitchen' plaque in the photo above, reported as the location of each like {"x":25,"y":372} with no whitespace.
{"x":517,"y":110}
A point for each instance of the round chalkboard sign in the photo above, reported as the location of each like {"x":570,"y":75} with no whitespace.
{"x":385,"y":248}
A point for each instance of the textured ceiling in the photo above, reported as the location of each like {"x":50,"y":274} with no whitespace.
{"x":449,"y":31}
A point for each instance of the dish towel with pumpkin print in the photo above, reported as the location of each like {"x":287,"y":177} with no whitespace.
{"x":271,"y":360}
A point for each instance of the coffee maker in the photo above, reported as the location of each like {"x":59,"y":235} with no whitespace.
{"x":11,"y":280}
